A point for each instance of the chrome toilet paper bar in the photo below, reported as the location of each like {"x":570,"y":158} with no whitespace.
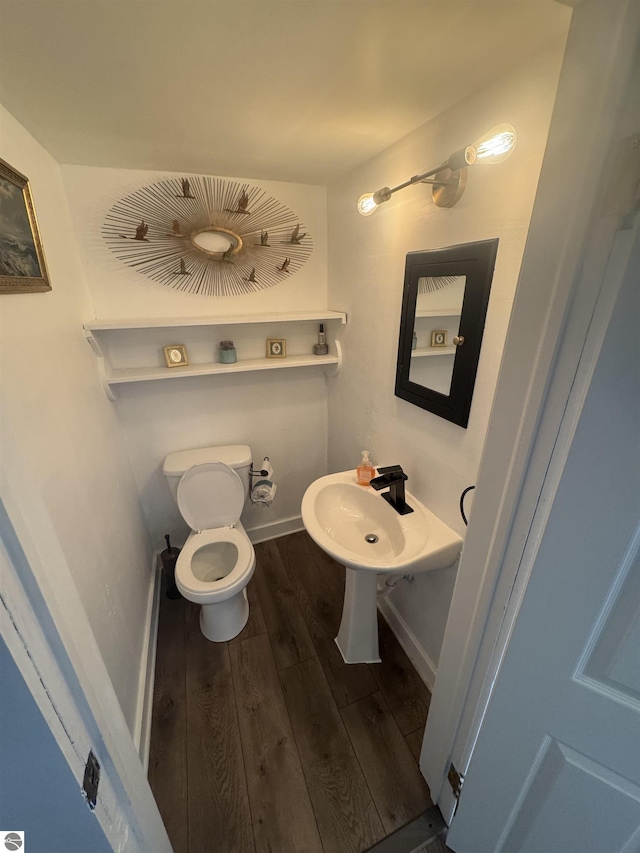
{"x":265,"y":471}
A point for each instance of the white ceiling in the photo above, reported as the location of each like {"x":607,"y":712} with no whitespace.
{"x":302,"y":90}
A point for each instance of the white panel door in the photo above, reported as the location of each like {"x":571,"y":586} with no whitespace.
{"x":556,"y":767}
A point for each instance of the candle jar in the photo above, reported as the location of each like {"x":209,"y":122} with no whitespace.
{"x":227,"y":352}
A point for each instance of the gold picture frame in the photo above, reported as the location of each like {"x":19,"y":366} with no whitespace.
{"x":176,"y":355}
{"x":439,"y":338}
{"x":276,"y":348}
{"x":22,"y":264}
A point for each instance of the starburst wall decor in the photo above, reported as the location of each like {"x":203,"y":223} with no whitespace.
{"x":429,"y":284}
{"x":207,"y":236}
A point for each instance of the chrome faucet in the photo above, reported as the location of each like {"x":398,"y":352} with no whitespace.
{"x":394,"y":478}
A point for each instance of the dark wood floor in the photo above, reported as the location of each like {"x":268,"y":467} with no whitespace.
{"x":271,"y":743}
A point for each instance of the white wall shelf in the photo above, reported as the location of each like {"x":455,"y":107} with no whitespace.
{"x":439,"y":312}
{"x":228,"y":320}
{"x":97,"y":333}
{"x":424,"y":352}
{"x":144,"y":374}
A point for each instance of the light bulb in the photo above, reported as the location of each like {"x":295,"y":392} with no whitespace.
{"x":366,"y":204}
{"x":493,"y":147}
{"x":369,"y":202}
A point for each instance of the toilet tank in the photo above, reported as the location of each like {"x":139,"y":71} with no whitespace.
{"x":236,"y":456}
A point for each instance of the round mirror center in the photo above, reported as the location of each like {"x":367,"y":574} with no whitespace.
{"x":217,"y":241}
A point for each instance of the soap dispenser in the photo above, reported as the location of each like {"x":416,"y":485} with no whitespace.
{"x":365,"y":470}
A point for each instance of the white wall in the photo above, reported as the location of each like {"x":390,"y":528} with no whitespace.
{"x":119,"y":291}
{"x":55,"y":414}
{"x":366,"y":268}
{"x":281,"y":414}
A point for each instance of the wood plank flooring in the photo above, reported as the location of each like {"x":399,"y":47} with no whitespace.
{"x":271,"y":743}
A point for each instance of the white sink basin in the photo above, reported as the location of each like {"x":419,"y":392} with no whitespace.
{"x":358,"y":528}
{"x":339,"y":514}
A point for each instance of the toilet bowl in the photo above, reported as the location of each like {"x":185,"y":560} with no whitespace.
{"x":218,"y":560}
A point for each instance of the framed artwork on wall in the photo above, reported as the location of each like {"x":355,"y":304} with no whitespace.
{"x":22,"y":264}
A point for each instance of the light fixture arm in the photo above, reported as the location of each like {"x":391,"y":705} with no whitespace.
{"x":368,"y":202}
{"x":385,"y":193}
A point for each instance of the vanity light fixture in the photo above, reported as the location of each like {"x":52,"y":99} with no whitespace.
{"x":450,"y":179}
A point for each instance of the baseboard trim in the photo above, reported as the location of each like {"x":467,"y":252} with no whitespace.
{"x":142,"y":730}
{"x":423,"y":664}
{"x":275,"y":529}
{"x":414,"y":836}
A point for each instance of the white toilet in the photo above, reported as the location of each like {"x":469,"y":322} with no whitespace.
{"x":211,"y":485}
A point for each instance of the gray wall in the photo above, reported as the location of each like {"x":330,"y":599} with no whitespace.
{"x":38,"y":792}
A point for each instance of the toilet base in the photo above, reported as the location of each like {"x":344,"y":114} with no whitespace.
{"x":224,"y":621}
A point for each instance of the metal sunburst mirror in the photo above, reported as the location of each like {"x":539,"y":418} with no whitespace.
{"x":207,"y":236}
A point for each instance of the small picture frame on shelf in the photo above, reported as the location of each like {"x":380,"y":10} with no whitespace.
{"x":439,"y":338}
{"x":276,"y":348}
{"x":176,"y":355}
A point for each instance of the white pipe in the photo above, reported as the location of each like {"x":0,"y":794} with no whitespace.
{"x":391,"y":583}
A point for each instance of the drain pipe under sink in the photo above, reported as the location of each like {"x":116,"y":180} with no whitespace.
{"x":383,"y":589}
{"x":390,"y":584}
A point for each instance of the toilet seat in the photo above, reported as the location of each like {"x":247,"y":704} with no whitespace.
{"x":211,"y":498}
{"x":189,"y":585}
{"x":210,"y":495}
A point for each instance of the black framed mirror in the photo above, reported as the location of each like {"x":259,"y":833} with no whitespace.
{"x":444,"y":305}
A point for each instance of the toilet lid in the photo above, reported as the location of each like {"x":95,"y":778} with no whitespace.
{"x":210,"y":495}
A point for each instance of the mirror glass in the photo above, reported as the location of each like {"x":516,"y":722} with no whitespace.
{"x":436,"y":324}
{"x":216,"y":241}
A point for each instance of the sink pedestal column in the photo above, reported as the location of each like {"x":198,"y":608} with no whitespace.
{"x":358,"y":635}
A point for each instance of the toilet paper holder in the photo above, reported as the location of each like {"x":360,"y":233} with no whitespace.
{"x":264,"y":490}
{"x":261,"y":472}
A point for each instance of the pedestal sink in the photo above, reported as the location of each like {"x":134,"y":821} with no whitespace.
{"x":359,"y":529}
